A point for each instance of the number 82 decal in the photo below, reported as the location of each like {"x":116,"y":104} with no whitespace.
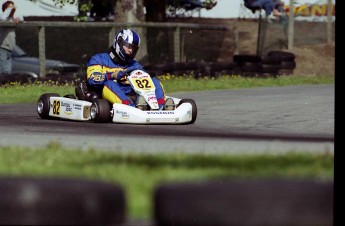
{"x":56,"y":107}
{"x":143,"y":83}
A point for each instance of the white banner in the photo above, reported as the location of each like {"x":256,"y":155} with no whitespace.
{"x":43,"y":8}
{"x":304,"y":9}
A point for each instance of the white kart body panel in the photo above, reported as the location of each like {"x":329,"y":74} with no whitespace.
{"x":126,"y":114}
{"x":79,"y":110}
{"x":68,"y":108}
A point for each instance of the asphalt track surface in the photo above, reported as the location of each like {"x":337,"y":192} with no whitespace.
{"x":253,"y":120}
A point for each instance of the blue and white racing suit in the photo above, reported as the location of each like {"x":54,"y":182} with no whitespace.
{"x":100,"y":67}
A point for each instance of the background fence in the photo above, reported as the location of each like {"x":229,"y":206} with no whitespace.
{"x":179,"y":40}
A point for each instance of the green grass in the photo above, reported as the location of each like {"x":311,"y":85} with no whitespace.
{"x":16,"y":93}
{"x":140,"y":174}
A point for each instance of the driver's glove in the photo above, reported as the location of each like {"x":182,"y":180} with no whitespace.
{"x":120,"y":76}
{"x":117,"y":75}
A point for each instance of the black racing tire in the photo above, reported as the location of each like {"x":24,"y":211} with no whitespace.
{"x":194,"y":108}
{"x":237,"y":71}
{"x":282,"y":55}
{"x":251,"y":67}
{"x":218,"y":66}
{"x":24,"y":77}
{"x":270,"y":60}
{"x":270,"y":68}
{"x":59,"y":201}
{"x":246,"y":58}
{"x":285,"y":72}
{"x":250,"y":74}
{"x":43,"y":105}
{"x":288,"y":65}
{"x":227,"y":202}
{"x":100,"y":111}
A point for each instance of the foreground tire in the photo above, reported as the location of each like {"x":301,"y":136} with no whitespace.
{"x":194,"y":108}
{"x":43,"y":105}
{"x":53,"y":201}
{"x":228,"y":202}
{"x":100,"y":111}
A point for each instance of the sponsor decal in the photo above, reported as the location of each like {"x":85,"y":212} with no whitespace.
{"x":97,"y":77}
{"x":160,"y":112}
{"x":77,"y":106}
{"x":68,"y":108}
{"x":312,"y":10}
{"x":152,"y":98}
{"x":63,"y":104}
{"x":123,"y":114}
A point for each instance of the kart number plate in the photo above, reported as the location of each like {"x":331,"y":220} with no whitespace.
{"x":143,"y":83}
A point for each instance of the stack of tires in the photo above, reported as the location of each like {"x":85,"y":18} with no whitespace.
{"x":274,"y":63}
{"x":196,"y":69}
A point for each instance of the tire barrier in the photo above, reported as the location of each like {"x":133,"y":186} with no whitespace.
{"x":275,"y":63}
{"x":282,"y":55}
{"x":28,"y":78}
{"x":270,"y":202}
{"x":18,"y":77}
{"x":247,"y":58}
{"x":196,"y":69}
{"x":33,"y":201}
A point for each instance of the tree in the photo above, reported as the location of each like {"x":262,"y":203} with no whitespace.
{"x":155,"y":10}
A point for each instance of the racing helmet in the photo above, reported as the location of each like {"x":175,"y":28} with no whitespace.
{"x":126,"y":44}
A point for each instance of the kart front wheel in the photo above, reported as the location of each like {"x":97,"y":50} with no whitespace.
{"x":100,"y":111}
{"x":194,"y":108}
{"x":43,"y":105}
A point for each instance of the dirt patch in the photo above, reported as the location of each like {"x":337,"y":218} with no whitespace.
{"x":315,"y":60}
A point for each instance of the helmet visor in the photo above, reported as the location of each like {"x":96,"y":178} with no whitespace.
{"x":129,"y":50}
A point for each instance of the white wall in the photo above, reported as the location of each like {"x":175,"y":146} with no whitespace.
{"x":43,"y":8}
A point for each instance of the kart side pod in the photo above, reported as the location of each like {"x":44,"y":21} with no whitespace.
{"x":51,"y":105}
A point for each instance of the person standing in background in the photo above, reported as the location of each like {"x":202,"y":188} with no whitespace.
{"x":8,"y":36}
{"x":270,"y":6}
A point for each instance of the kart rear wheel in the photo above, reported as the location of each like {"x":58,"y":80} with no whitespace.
{"x":100,"y":111}
{"x":194,"y":108}
{"x":43,"y":105}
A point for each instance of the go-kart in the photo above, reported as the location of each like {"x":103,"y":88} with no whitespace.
{"x":182,"y":111}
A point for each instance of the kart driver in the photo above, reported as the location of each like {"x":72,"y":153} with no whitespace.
{"x":107,"y":72}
